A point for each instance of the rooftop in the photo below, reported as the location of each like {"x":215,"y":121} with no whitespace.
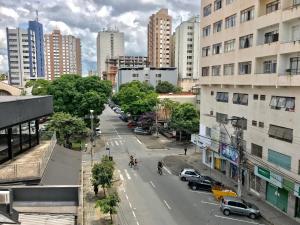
{"x":18,"y":98}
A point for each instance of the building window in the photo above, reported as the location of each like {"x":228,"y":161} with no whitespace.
{"x":207,"y":10}
{"x":261,"y":124}
{"x":286,"y":103}
{"x":296,"y":2}
{"x":279,"y":159}
{"x":240,"y":99}
{"x":158,"y":75}
{"x":206,"y":31}
{"x":215,"y":70}
{"x":222,"y":97}
{"x":247,"y":14}
{"x":256,"y":150}
{"x":211,"y":92}
{"x":262,"y":97}
{"x":281,"y":133}
{"x":255,"y":97}
{"x":205,"y":71}
{"x":230,"y":21}
{"x":272,"y":36}
{"x":189,"y":57}
{"x":205,"y":51}
{"x":246,"y":41}
{"x":269,"y":66}
{"x":229,"y":45}
{"x":272,"y":7}
{"x":244,"y":68}
{"x":218,"y":26}
{"x":228,"y":69}
{"x":217,"y":48}
{"x":217,"y":4}
{"x":294,"y":66}
{"x":254,"y":123}
{"x":222,"y":118}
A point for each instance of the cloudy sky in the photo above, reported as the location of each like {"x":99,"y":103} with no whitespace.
{"x":84,"y":18}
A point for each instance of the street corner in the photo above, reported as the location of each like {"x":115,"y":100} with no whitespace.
{"x":175,"y":163}
{"x":151,"y":142}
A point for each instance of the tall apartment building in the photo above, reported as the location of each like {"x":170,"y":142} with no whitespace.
{"x":110,"y":44}
{"x":159,"y":35}
{"x":25,"y":54}
{"x":187,"y":52}
{"x":62,"y":55}
{"x":251,"y":68}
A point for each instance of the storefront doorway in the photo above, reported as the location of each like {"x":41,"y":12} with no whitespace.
{"x":277,"y":197}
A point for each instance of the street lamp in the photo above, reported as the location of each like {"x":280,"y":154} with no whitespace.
{"x":92,"y":134}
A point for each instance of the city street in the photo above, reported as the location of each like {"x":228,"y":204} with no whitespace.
{"x":148,"y":198}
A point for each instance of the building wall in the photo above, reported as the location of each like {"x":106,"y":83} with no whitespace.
{"x":260,"y":84}
{"x":110,"y":44}
{"x":159,"y":35}
{"x":62,"y":55}
{"x":151,"y":76}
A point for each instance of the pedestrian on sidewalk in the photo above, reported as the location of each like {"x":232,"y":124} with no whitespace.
{"x":95,"y":189}
{"x":185,"y":150}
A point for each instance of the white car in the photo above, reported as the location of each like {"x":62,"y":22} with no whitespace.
{"x":188,"y":174}
{"x":98,"y":131}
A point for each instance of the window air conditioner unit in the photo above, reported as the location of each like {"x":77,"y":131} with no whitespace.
{"x":4,"y":197}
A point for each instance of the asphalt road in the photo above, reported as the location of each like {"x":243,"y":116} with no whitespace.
{"x":150,"y":199}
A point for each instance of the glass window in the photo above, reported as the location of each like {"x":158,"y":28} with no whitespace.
{"x":229,"y":45}
{"x":230,"y":21}
{"x":240,"y":99}
{"x":261,"y":124}
{"x":245,"y":68}
{"x":228,"y":69}
{"x":281,"y":133}
{"x":205,"y":51}
{"x":15,"y":140}
{"x":272,"y":36}
{"x":3,"y":145}
{"x":205,"y":71}
{"x":217,"y":4}
{"x":217,"y":48}
{"x":255,"y":97}
{"x":217,"y":26}
{"x":279,"y":159}
{"x":269,"y":66}
{"x":286,"y":103}
{"x":247,"y":14}
{"x":222,"y":97}
{"x":246,"y":41}
{"x":296,"y":2}
{"x":295,"y":65}
{"x":207,"y":10}
{"x":229,"y":2}
{"x":222,"y":118}
{"x":256,"y":150}
{"x":216,"y":70}
{"x":206,"y":31}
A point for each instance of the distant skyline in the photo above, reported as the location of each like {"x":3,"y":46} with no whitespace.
{"x":84,"y":18}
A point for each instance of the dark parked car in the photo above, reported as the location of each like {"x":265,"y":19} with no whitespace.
{"x":123,"y":117}
{"x":200,"y":184}
{"x":139,"y":130}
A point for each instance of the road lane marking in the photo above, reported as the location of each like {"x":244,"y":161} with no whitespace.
{"x":111,"y":144}
{"x":127,"y":174}
{"x":152,"y":184}
{"x":168,"y":206}
{"x":117,"y":133}
{"x":168,"y":171}
{"x":137,"y":223}
{"x":139,"y":141}
{"x":130,"y":205}
{"x":245,"y":221}
{"x":126,"y":197}
{"x":211,"y":203}
{"x":201,"y":192}
{"x":121,"y":177}
{"x":117,"y":143}
{"x":133,"y":214}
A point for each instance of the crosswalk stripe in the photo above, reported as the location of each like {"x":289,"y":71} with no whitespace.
{"x":127,"y":174}
{"x":117,"y":143}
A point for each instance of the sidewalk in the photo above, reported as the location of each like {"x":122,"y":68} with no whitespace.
{"x":176,"y":162}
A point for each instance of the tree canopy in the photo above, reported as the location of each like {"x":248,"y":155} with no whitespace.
{"x":166,"y":87}
{"x":137,"y":98}
{"x":39,"y":87}
{"x":109,"y":204}
{"x":185,"y":118}
{"x":67,"y":127}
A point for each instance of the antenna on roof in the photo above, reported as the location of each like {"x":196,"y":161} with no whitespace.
{"x":37,"y":15}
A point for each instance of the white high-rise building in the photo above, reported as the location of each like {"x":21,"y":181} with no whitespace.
{"x":250,"y":64}
{"x":187,"y":52}
{"x":110,"y":44}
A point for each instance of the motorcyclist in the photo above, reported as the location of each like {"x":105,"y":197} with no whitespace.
{"x":131,"y":161}
{"x":159,"y":167}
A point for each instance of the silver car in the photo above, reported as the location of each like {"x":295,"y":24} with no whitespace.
{"x":233,"y":205}
{"x":188,"y":174}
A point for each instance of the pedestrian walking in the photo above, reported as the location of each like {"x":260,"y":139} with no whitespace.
{"x":95,"y":189}
{"x":185,"y":150}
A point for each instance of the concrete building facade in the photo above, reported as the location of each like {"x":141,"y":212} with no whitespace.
{"x":110,"y":44}
{"x":25,"y":54}
{"x":62,"y":55}
{"x":159,"y":35}
{"x":250,"y":68}
{"x":152,"y":76}
{"x":187,"y":52}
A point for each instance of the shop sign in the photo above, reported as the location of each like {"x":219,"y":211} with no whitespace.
{"x":230,"y":153}
{"x":297,"y":190}
{"x":202,"y":142}
{"x":269,"y":176}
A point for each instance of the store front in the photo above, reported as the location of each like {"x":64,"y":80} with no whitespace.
{"x":277,"y":196}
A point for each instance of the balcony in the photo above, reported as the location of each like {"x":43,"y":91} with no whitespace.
{"x":268,"y":49}
{"x":291,"y":12}
{"x":289,"y":47}
{"x":268,"y":19}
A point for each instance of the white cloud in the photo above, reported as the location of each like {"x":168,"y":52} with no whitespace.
{"x":3,"y":63}
{"x":9,"y":13}
{"x":105,"y":11}
{"x":64,"y":28}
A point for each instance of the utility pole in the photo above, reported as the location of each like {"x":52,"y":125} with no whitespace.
{"x":156,"y":120}
{"x":92,"y":134}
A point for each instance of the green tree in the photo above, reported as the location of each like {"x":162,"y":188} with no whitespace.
{"x":168,"y":106}
{"x":166,"y":87}
{"x":185,"y":118}
{"x":66,"y":127}
{"x":3,"y":77}
{"x":109,"y":204}
{"x":102,"y":173}
{"x":137,"y":98}
{"x":39,"y":87}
